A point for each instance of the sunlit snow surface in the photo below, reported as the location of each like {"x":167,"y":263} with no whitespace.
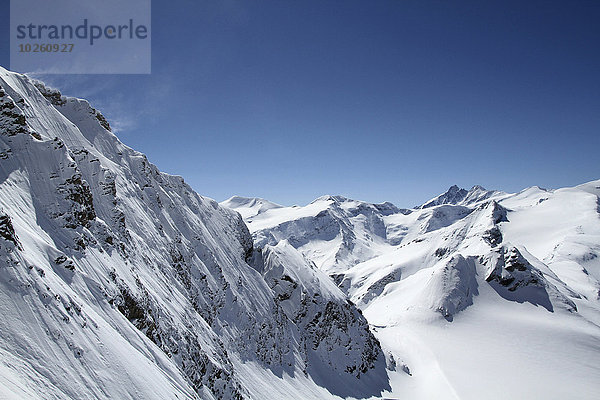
{"x":516,"y":315}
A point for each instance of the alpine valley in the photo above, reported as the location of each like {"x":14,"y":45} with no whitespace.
{"x":119,"y":281}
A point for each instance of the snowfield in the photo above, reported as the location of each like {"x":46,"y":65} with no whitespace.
{"x":475,"y":294}
{"x":119,"y":281}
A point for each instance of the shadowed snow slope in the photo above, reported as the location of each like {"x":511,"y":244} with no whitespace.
{"x":476,"y":294}
{"x":119,"y":281}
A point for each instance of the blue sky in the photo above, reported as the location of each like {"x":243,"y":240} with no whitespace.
{"x":375,"y":100}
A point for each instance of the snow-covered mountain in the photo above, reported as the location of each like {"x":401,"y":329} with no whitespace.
{"x":475,"y":294}
{"x":457,"y":196}
{"x":119,"y":281}
{"x":248,"y":207}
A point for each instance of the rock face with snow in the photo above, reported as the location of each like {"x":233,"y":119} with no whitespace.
{"x":119,"y":281}
{"x":456,"y":195}
{"x":332,"y":330}
{"x":472,"y":266}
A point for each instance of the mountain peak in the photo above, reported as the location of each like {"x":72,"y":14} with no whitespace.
{"x":329,"y":197}
{"x":459,"y":196}
{"x":249,"y":206}
{"x":453,"y":195}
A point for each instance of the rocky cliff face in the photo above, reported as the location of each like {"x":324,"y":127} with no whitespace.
{"x":120,"y":281}
{"x":334,"y":336}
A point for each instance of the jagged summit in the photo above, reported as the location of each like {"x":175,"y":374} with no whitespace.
{"x":453,"y":195}
{"x":328,"y":197}
{"x":458,"y":196}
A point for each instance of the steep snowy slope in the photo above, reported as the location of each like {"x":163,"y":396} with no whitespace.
{"x":119,"y":281}
{"x":476,"y":294}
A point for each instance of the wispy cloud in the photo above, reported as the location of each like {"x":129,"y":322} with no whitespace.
{"x":123,"y":103}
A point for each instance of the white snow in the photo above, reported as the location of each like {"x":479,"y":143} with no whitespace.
{"x":517,"y":336}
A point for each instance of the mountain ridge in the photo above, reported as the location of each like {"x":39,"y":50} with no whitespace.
{"x":120,"y":281}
